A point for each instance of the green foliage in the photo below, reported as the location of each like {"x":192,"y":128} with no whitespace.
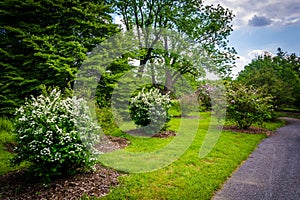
{"x":45,"y":42}
{"x":188,"y":104}
{"x":206,"y":26}
{"x":108,"y":120}
{"x":277,"y":76}
{"x":247,"y":105}
{"x":55,"y":134}
{"x":150,"y":110}
{"x":174,"y":109}
{"x":109,"y":80}
{"x":203,"y":95}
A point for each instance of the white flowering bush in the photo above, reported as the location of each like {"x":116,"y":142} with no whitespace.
{"x":150,"y":110}
{"x":55,"y":134}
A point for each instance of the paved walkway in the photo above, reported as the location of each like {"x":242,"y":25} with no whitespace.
{"x":273,"y":170}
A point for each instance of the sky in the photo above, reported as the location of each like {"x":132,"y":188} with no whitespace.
{"x":262,"y":25}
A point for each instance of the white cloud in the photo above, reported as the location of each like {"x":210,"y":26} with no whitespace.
{"x":276,"y":11}
{"x":245,"y":60}
{"x":258,"y":52}
{"x":240,"y":64}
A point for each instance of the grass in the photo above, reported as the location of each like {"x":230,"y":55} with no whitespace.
{"x":289,"y":114}
{"x":189,"y":177}
{"x":6,"y":137}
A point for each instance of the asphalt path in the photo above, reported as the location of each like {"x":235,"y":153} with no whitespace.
{"x":272,"y":171}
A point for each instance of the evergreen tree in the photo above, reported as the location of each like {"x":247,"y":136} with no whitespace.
{"x":45,"y":42}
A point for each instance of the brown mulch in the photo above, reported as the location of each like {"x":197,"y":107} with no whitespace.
{"x":110,"y":143}
{"x":250,"y":130}
{"x":165,"y":134}
{"x":162,"y":134}
{"x":10,"y":146}
{"x":17,"y":184}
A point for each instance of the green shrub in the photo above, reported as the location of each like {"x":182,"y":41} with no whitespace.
{"x":188,"y":104}
{"x":55,"y":134}
{"x":203,"y":95}
{"x":150,"y":110}
{"x":174,"y":109}
{"x":108,"y":120}
{"x":247,"y":105}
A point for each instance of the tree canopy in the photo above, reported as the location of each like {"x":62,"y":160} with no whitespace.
{"x":206,"y":27}
{"x":44,"y":42}
{"x":278,"y":76}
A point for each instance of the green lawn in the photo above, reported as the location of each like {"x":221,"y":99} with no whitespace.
{"x":189,"y":177}
{"x":6,"y":127}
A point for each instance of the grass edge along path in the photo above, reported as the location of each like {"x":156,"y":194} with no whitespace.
{"x":190,"y":177}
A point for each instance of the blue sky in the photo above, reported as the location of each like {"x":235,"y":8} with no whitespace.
{"x":263,"y":25}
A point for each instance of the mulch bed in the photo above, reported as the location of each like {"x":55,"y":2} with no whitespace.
{"x":165,"y":134}
{"x":162,"y":134}
{"x":17,"y":184}
{"x":251,"y":130}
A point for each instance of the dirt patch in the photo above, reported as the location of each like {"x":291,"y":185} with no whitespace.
{"x":250,"y":130}
{"x":162,"y":134}
{"x":9,"y":146}
{"x":188,"y":117}
{"x":165,"y":134}
{"x":17,"y":184}
{"x":110,"y":143}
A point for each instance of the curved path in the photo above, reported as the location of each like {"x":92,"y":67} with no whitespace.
{"x":272,"y":171}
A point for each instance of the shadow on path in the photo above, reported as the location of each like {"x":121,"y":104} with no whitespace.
{"x":272,"y":171}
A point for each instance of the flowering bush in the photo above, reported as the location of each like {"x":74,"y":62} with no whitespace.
{"x":203,"y":94}
{"x":55,"y":134}
{"x":247,"y":105}
{"x":150,"y":110}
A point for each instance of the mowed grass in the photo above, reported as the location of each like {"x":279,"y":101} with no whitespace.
{"x":189,"y":177}
{"x":6,"y":137}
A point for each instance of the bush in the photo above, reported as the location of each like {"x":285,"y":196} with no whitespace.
{"x":203,"y":95}
{"x":188,"y":103}
{"x":150,"y":110}
{"x":55,"y":134}
{"x":108,"y":119}
{"x":247,"y":105}
{"x":174,"y":110}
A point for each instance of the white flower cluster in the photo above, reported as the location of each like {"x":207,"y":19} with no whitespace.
{"x":150,"y":109}
{"x":52,"y":129}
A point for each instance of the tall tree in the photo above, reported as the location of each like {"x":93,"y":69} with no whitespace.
{"x":207,"y":26}
{"x":44,"y":42}
{"x":277,"y":75}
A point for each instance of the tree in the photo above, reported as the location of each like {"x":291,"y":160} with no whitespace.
{"x":44,"y":42}
{"x":277,"y":75}
{"x":208,"y":26}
